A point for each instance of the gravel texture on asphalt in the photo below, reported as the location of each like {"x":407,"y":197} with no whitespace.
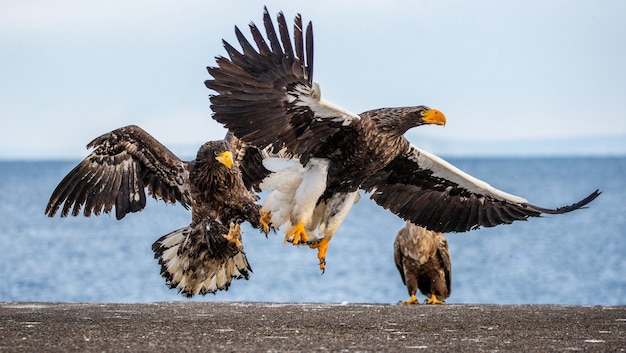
{"x":274,"y":327}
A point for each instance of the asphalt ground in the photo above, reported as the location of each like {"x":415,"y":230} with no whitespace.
{"x":272,"y":327}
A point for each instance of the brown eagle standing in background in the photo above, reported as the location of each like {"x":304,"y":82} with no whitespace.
{"x":200,"y":258}
{"x":266,"y":97}
{"x":423,"y":260}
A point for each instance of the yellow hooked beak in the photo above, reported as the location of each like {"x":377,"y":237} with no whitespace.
{"x":226,"y":158}
{"x":434,"y":116}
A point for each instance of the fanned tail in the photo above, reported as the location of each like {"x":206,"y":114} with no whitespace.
{"x":193,"y":265}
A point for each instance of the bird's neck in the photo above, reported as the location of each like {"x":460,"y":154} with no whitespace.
{"x":389,"y":121}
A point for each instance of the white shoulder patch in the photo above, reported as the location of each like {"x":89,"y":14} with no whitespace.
{"x":445,"y":170}
{"x":311,"y":97}
{"x":274,"y":164}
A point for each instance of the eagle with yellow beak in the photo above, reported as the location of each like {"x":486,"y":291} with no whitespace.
{"x":423,"y":260}
{"x":266,"y":96}
{"x":204,"y":256}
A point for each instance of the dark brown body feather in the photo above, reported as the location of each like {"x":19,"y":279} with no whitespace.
{"x":423,"y":260}
{"x":127,"y":161}
{"x":220,"y":191}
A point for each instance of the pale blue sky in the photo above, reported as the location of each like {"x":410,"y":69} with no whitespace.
{"x":500,"y":70}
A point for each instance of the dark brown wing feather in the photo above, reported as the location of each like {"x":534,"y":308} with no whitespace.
{"x":443,"y":254}
{"x":259,"y":90}
{"x":249,"y":159}
{"x":435,"y":196}
{"x":398,"y":258}
{"x":123,"y":163}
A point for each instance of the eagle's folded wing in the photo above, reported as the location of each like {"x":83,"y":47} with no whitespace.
{"x":266,"y":96}
{"x":443,"y":253}
{"x":249,"y":159}
{"x":123,"y":163}
{"x":428,"y":191}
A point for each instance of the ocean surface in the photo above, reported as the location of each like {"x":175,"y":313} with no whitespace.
{"x":577,"y":258}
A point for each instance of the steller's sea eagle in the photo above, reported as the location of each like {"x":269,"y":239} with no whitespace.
{"x":266,"y":97}
{"x":200,"y":258}
{"x":423,"y":260}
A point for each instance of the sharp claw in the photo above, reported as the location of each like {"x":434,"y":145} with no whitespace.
{"x":266,"y":221}
{"x":234,"y":235}
{"x":300,"y":237}
{"x":298,"y":233}
{"x":433,"y":300}
{"x":412,"y":301}
{"x":322,"y":247}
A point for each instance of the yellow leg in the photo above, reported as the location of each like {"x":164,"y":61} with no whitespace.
{"x":298,"y":233}
{"x":433,"y":300}
{"x":322,"y":247}
{"x":412,"y":301}
{"x":234,"y":235}
{"x":266,"y":220}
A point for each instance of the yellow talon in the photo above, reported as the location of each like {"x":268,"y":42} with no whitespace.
{"x":234,"y":235}
{"x":298,"y":233}
{"x":266,"y":220}
{"x":433,"y":300}
{"x":322,"y":247}
{"x":411,"y":301}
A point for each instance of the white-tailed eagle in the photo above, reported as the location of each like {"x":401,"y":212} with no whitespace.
{"x":423,"y":260}
{"x":200,"y":258}
{"x":266,"y":96}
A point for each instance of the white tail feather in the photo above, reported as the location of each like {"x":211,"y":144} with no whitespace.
{"x":195,"y":272}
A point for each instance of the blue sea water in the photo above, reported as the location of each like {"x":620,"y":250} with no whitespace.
{"x":578,"y":258}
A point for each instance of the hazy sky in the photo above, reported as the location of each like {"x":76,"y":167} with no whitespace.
{"x":499,"y":70}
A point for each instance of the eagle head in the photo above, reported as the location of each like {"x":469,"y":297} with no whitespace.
{"x":216,"y":151}
{"x":422,"y":115}
{"x":400,"y":120}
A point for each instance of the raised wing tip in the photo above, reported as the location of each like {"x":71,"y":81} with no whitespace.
{"x":575,"y":206}
{"x":50,"y":210}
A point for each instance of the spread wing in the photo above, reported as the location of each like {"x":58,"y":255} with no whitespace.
{"x":266,"y":95}
{"x":428,"y":191}
{"x":123,"y":163}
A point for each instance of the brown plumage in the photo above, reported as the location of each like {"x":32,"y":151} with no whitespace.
{"x":200,"y":258}
{"x":266,"y":96}
{"x":423,"y":260}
